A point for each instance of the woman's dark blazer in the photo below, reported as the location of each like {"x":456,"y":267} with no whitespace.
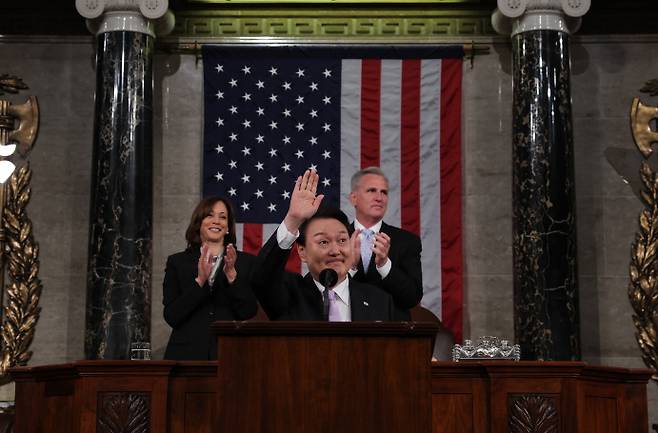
{"x":190,"y":309}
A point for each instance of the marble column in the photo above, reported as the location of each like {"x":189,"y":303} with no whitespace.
{"x":119,"y":263}
{"x":546,"y":315}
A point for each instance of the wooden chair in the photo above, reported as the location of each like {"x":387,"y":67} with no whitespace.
{"x":444,"y":338}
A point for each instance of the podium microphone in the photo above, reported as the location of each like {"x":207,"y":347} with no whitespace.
{"x":328,"y":278}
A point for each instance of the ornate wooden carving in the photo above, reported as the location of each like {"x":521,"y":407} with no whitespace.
{"x":123,"y":412}
{"x":532,"y":413}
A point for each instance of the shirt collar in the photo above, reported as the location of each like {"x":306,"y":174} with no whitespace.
{"x":375,"y":229}
{"x":342,"y":290}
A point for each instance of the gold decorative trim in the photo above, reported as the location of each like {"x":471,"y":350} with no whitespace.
{"x":331,"y":2}
{"x":404,"y":25}
{"x":643,"y":288}
{"x":11,"y":84}
{"x":650,"y":87}
{"x":19,"y":253}
{"x":22,"y":254}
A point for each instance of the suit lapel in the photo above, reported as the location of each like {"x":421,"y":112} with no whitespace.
{"x":372,"y":269}
{"x":193,"y":255}
{"x":358,"y":302}
{"x":313,"y":295}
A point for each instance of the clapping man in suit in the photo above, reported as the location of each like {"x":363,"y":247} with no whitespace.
{"x":323,"y":242}
{"x":390,"y":256}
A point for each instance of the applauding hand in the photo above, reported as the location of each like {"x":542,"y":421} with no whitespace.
{"x":229,"y":263}
{"x":380,"y":248}
{"x":204,"y":267}
{"x":355,"y":250}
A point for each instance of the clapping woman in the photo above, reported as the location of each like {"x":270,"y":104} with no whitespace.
{"x":208,"y":281}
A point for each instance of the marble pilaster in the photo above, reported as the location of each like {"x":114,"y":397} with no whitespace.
{"x":121,"y":209}
{"x":546,"y":315}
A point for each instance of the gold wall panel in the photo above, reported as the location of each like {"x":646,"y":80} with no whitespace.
{"x":327,"y":24}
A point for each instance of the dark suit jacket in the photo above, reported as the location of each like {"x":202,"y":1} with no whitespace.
{"x":190,"y":309}
{"x":289,"y":296}
{"x":405,"y":281}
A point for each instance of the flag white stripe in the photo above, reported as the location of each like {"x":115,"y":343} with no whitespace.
{"x":239,"y":237}
{"x":389,"y":127}
{"x":430,"y":185}
{"x":268,"y":229}
{"x":350,"y":130}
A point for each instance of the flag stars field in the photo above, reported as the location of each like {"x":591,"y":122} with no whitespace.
{"x":284,"y":138}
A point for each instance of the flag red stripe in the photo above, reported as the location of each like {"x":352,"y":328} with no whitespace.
{"x":410,"y":146}
{"x":294,"y":264}
{"x":451,"y":211}
{"x":371,"y":77}
{"x":252,"y":241}
{"x":252,"y":238}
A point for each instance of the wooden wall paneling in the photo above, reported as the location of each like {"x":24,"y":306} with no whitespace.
{"x":570,"y":404}
{"x":44,"y":399}
{"x":636,"y":416}
{"x":28,"y":400}
{"x":125,"y":396}
{"x":601,"y":408}
{"x":614,"y":399}
{"x":192,"y":396}
{"x":521,"y":406}
{"x":528,"y":396}
{"x":459,"y":398}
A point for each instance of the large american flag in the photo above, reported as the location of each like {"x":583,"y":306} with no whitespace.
{"x":271,"y":113}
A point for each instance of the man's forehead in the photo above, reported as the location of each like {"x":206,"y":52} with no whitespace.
{"x":370,"y":179}
{"x":326,"y":226}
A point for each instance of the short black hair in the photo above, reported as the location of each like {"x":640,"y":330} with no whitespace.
{"x":324,"y":212}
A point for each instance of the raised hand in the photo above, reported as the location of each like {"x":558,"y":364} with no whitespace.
{"x":229,"y":263}
{"x":204,"y":267}
{"x":380,"y":248}
{"x":303,"y":200}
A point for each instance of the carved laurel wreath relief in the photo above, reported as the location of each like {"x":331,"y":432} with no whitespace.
{"x":20,"y":288}
{"x":643,"y":287}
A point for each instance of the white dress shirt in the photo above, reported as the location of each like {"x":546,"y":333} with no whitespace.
{"x":215,"y":266}
{"x":342,"y":291}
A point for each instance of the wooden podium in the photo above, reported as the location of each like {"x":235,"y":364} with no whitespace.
{"x":289,"y":377}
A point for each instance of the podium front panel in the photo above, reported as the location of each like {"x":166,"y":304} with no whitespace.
{"x":319,"y":377}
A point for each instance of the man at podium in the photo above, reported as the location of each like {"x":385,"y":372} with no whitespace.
{"x":324,"y":244}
